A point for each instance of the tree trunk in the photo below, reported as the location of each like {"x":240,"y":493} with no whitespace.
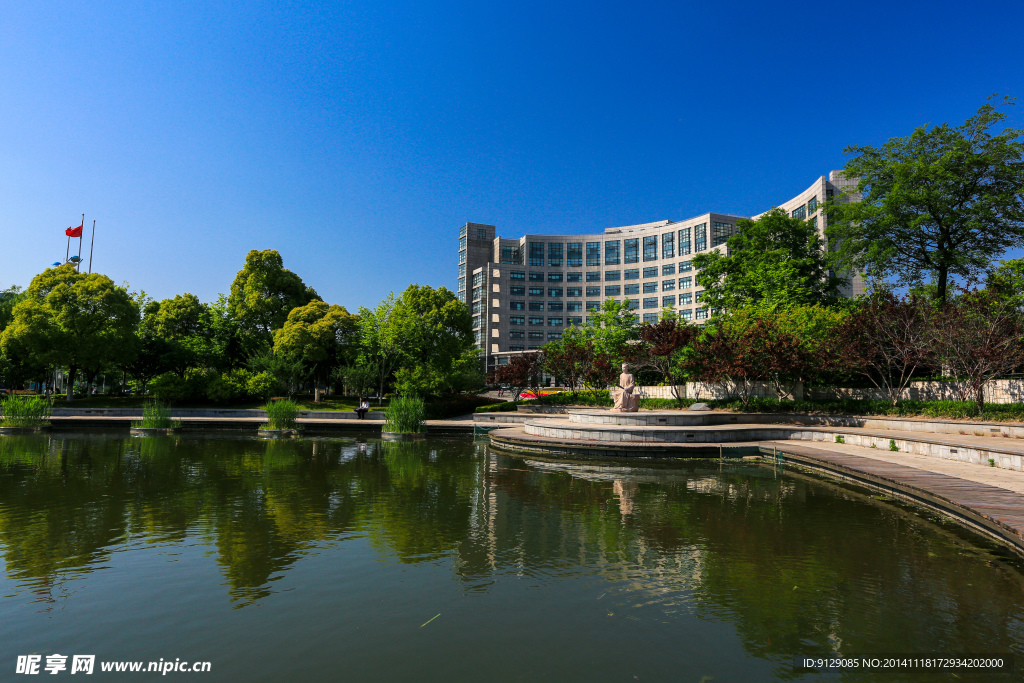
{"x":70,"y":396}
{"x":942,"y":284}
{"x":980,"y":397}
{"x":316,"y":391}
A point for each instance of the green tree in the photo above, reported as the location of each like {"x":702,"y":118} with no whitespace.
{"x":943,"y":201}
{"x":185,"y":327}
{"x":380,"y":341}
{"x":611,"y":328}
{"x":321,"y":337}
{"x":775,"y":259}
{"x":72,"y":319}
{"x":264,"y":292}
{"x":436,"y":332}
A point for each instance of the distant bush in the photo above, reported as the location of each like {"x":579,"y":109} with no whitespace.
{"x":282,"y":414}
{"x":443,"y":407}
{"x":404,"y":414}
{"x":156,"y":416}
{"x":24,"y":411}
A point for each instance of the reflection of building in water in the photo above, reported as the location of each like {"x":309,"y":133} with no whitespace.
{"x":624,"y":490}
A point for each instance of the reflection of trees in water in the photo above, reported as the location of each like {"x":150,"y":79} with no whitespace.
{"x":797,"y":566}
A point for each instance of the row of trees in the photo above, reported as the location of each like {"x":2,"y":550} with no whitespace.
{"x":271,"y":334}
{"x":974,"y":337}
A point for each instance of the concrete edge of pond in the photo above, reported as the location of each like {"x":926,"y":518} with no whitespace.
{"x":993,"y":512}
{"x":40,"y":429}
{"x":155,"y":431}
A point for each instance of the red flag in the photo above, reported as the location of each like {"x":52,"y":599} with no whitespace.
{"x":74,"y":232}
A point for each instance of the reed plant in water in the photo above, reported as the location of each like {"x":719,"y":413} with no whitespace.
{"x":405,"y":415}
{"x":156,"y":415}
{"x":25,"y":411}
{"x":281,"y":414}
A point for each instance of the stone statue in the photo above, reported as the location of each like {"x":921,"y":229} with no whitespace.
{"x":626,"y":401}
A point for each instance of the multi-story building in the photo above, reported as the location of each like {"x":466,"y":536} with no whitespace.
{"x":525,"y":292}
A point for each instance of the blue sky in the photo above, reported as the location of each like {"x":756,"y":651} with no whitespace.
{"x":356,"y":137}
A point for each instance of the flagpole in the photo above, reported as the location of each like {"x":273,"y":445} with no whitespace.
{"x":67,"y":252}
{"x":92,"y":241}
{"x":79,"y":264}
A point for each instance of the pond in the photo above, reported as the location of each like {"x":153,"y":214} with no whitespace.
{"x":441,"y":560}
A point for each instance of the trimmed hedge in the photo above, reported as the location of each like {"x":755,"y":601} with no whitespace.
{"x":583,"y":399}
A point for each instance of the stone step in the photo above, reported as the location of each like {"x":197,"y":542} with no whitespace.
{"x":658,"y":418}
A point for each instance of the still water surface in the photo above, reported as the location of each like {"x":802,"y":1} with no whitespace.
{"x":327,"y":559}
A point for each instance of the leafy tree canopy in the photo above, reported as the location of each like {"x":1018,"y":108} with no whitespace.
{"x":318,"y":336}
{"x":436,"y":332}
{"x":264,"y":292}
{"x":73,"y":319}
{"x":775,"y":259}
{"x":945,"y":201}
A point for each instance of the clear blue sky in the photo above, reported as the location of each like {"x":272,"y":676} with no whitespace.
{"x":356,"y":137}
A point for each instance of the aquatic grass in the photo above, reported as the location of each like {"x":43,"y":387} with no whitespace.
{"x":282,"y":414}
{"x":156,"y":415}
{"x":21,"y":410}
{"x":404,"y":415}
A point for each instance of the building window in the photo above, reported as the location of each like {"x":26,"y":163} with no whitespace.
{"x":536,"y":291}
{"x":668,"y":285}
{"x":593,"y":277}
{"x":613,"y":290}
{"x":698,"y":296}
{"x":554,"y":291}
{"x":516,"y":334}
{"x":574,"y":291}
{"x":593,"y":253}
{"x":536,"y":305}
{"x":516,"y":275}
{"x":531,"y":348}
{"x":611,"y":253}
{"x":478,"y":279}
{"x":686,"y":314}
{"x":554,"y":336}
{"x":554,"y":322}
{"x":720,"y":233}
{"x":478,"y":338}
{"x":631,"y":251}
{"x":481,"y":234}
{"x":574,"y":277}
{"x":651,"y":302}
{"x":650,"y":287}
{"x":515,"y":347}
{"x":478,"y":293}
{"x":686,"y":282}
{"x":511,"y":255}
{"x":700,"y":233}
{"x":593,"y":291}
{"x":462,"y":257}
{"x":537,"y":254}
{"x":800,"y":212}
{"x":651,"y":272}
{"x":462,"y":231}
{"x":685,"y":267}
{"x":516,"y":320}
{"x":632,"y":274}
{"x":574,"y":320}
{"x":814,"y":222}
{"x":462,"y":283}
{"x":631,"y":289}
{"x":650,"y":318}
{"x":536,"y":335}
{"x":667,"y":301}
{"x":478,"y":307}
{"x":536,"y":320}
{"x":574,"y":306}
{"x":555,"y":306}
{"x":651,"y":248}
{"x":536,"y":277}
{"x":686,"y":298}
{"x":668,"y":269}
{"x":684,"y":242}
{"x":612,"y":275}
{"x":632,"y":304}
{"x":517,"y":290}
{"x":702,"y":314}
{"x":574,"y":254}
{"x":554,"y":277}
{"x":517,"y":305}
{"x":668,"y":245}
{"x":593,"y":305}
{"x":812,"y":204}
{"x":462,"y":243}
{"x":554,"y":254}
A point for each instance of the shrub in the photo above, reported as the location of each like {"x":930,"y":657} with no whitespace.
{"x":25,"y":411}
{"x":282,"y":414}
{"x":156,"y":415}
{"x":404,"y":414}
